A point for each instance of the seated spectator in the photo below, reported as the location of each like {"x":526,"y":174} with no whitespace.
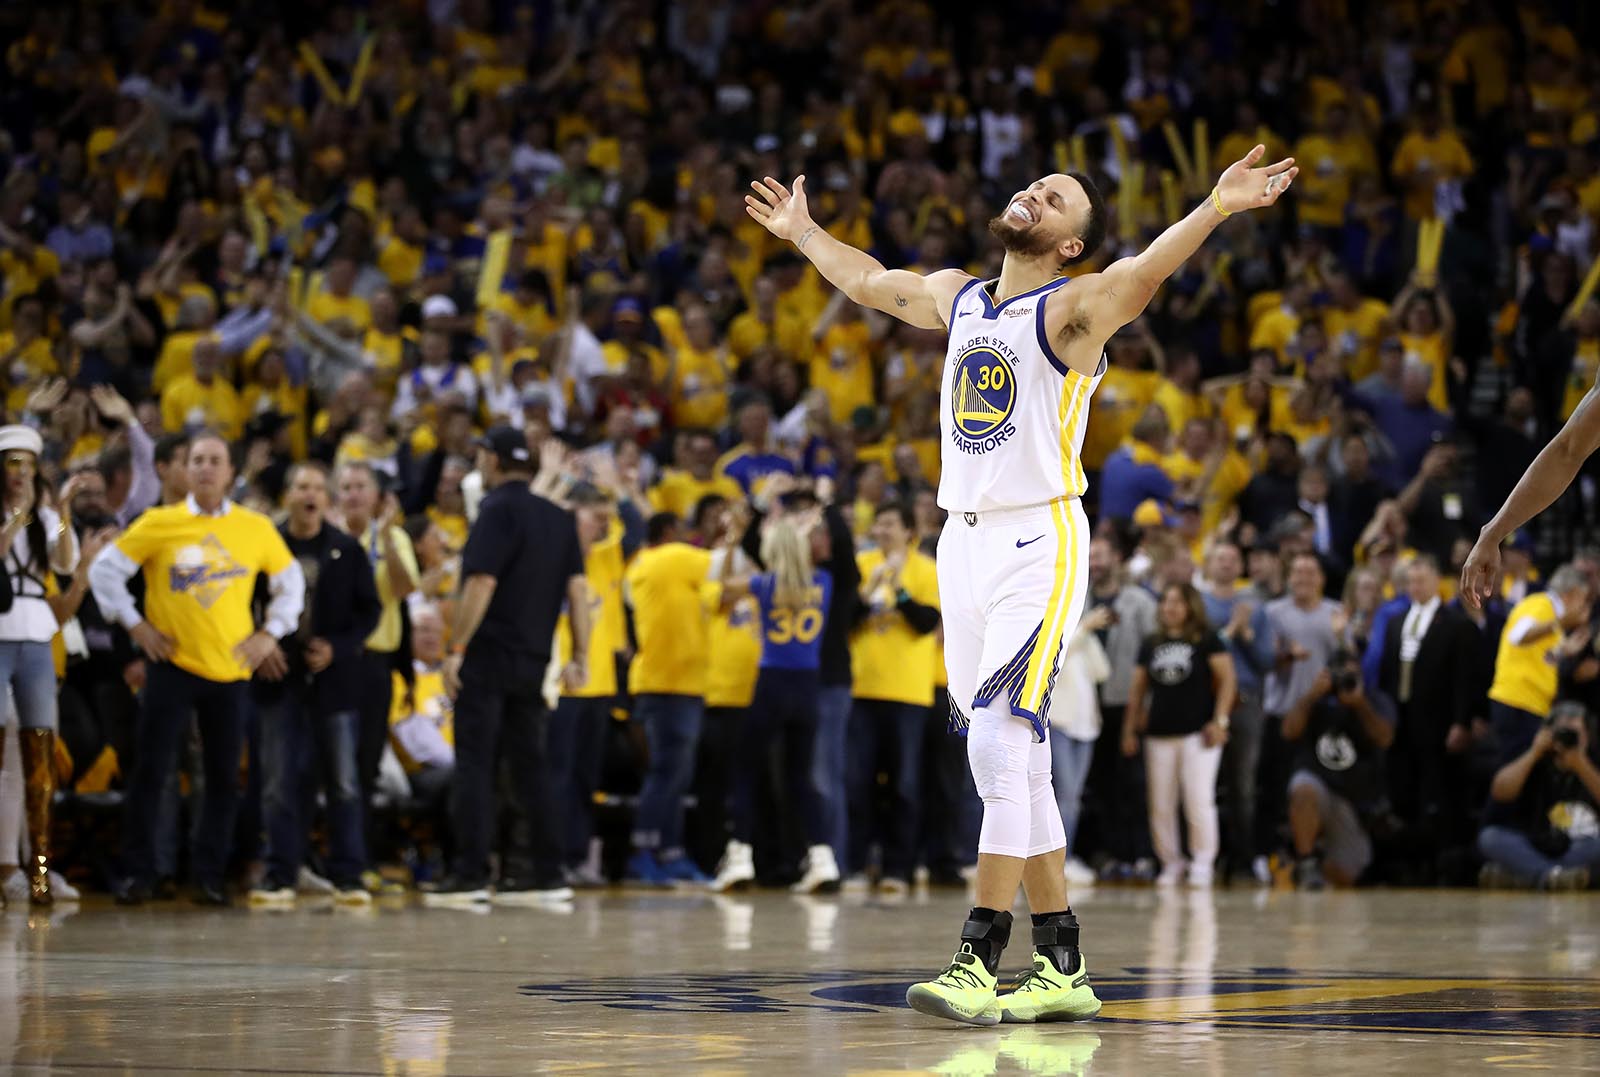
{"x":1337,"y":776}
{"x":421,"y":729}
{"x":1544,"y":809}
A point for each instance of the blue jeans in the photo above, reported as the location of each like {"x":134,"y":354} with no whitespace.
{"x":672,"y":730}
{"x":1514,"y":728}
{"x":172,"y":698}
{"x":830,"y":768}
{"x":887,"y":736}
{"x":1510,"y":848}
{"x":577,"y":739}
{"x":30,"y":670}
{"x":296,"y":746}
{"x":1069,"y":771}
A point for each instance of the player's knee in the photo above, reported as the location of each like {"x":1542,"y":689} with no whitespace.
{"x":999,"y":763}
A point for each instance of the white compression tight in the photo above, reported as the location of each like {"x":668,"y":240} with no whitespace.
{"x":1012,"y":771}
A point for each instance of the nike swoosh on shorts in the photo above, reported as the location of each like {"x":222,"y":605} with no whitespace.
{"x":1030,"y":542}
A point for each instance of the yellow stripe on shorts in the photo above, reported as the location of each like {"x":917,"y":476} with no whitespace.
{"x":1043,"y":662}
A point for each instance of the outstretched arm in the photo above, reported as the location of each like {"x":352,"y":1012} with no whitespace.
{"x":924,"y":302}
{"x":1551,"y":472}
{"x":1126,"y":286}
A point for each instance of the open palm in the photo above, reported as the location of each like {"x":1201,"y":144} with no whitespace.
{"x":783,"y":214}
{"x":1244,"y":186}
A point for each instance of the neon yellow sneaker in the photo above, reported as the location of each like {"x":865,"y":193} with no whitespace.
{"x":1043,"y":994}
{"x":964,"y":991}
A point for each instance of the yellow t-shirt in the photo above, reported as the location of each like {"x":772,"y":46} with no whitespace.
{"x":1430,"y":349}
{"x":608,"y":630}
{"x":388,"y":354}
{"x":1419,"y":157}
{"x":287,"y":400}
{"x":534,"y":319}
{"x":38,"y":361}
{"x":841,"y":366}
{"x":1275,"y":330}
{"x":200,"y":574}
{"x":1180,"y":406}
{"x":401,"y":262}
{"x":386,"y":637}
{"x":700,"y":394}
{"x":188,"y":405}
{"x":748,"y":332}
{"x":679,"y":492}
{"x":1327,"y":167}
{"x":453,"y":524}
{"x":325,"y":307}
{"x":735,"y":643}
{"x":430,"y":701}
{"x":889,"y":661}
{"x":1581,"y":376}
{"x":176,"y":358}
{"x":1355,"y":334}
{"x":1524,"y":676}
{"x":1122,"y":396}
{"x":669,"y":589}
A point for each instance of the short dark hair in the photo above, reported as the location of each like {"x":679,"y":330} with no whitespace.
{"x":114,"y":461}
{"x":660,"y":527}
{"x":1094,"y":225}
{"x":900,"y":509}
{"x":167,"y":446}
{"x":708,"y":503}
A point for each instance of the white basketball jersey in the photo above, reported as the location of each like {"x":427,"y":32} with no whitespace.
{"x":1011,"y":414}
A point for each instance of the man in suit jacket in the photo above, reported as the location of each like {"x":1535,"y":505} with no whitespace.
{"x":308,"y":697}
{"x":1426,"y":652}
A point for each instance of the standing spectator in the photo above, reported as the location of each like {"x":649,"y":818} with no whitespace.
{"x":794,"y":598}
{"x":1132,"y":472}
{"x":307,"y":702}
{"x":1338,"y":774}
{"x":1116,"y":784}
{"x":202,"y":645}
{"x":669,"y":590}
{"x":522,"y":561}
{"x":1543,"y":822}
{"x":1540,"y":630}
{"x":1305,"y":629}
{"x":43,"y":543}
{"x":374,"y":519}
{"x":1239,"y":618}
{"x":1180,"y":700}
{"x":1426,"y":653}
{"x":892,"y":673}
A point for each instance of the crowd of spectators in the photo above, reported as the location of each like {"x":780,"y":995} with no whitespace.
{"x":362,"y":235}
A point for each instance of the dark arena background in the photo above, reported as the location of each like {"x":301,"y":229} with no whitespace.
{"x":304,"y":774}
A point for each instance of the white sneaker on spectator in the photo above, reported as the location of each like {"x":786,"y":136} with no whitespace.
{"x":857,"y":883}
{"x":16,"y":888}
{"x":737,"y":868}
{"x":821,"y":871}
{"x":1199,"y":878}
{"x":60,"y":889}
{"x":1261,"y":871}
{"x":1078,"y":873}
{"x":893,"y":888}
{"x":1170,"y":876}
{"x":262,"y":898}
{"x":309,"y":882}
{"x":353,"y":897}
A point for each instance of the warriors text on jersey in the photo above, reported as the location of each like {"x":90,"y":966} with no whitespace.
{"x":1011,"y":413}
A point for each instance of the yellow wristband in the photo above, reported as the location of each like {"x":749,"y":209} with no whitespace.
{"x":1216,"y":200}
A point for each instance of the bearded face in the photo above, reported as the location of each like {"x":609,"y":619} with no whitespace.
{"x":1026,"y":238}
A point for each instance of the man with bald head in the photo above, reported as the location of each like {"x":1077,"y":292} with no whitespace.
{"x":1026,"y":353}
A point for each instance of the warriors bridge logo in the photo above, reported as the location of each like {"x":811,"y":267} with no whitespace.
{"x":204,"y":571}
{"x":983,"y":396}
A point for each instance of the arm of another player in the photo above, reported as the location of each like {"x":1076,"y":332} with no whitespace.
{"x":1551,"y":472}
{"x":1117,"y":295}
{"x":924,"y":302}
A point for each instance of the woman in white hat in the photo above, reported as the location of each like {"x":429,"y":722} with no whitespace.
{"x":43,"y":542}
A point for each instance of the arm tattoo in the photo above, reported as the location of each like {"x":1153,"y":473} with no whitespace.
{"x":900,"y":300}
{"x":805,"y":237}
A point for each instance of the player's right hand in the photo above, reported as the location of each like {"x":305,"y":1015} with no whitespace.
{"x":1481,"y":574}
{"x":782,"y":213}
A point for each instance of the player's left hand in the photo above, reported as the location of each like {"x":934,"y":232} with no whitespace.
{"x":1244,"y":186}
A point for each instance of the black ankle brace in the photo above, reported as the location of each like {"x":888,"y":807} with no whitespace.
{"x":1055,"y":935}
{"x":987,"y":932}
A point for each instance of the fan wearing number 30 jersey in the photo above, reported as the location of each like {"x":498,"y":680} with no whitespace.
{"x":1025,"y":355}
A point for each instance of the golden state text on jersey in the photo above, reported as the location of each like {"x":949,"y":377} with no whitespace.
{"x":1012,"y":413}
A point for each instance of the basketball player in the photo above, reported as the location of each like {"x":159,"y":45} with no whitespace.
{"x":1546,"y":479}
{"x":1026,"y":352}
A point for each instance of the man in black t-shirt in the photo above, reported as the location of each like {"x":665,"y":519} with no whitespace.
{"x":1543,"y":820}
{"x":522,"y":562}
{"x":1337,"y":779}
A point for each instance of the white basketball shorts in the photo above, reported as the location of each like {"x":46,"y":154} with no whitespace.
{"x":1012,"y":584}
